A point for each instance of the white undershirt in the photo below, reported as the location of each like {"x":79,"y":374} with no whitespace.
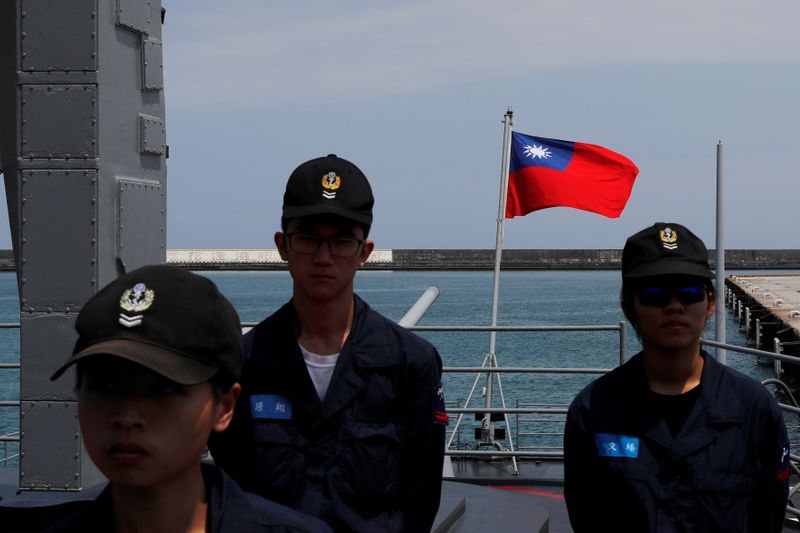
{"x":320,"y":368}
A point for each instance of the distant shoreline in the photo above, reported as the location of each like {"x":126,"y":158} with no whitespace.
{"x":458,"y":259}
{"x":473,"y":259}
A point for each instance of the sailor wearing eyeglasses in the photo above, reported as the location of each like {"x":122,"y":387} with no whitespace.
{"x":343,"y":414}
{"x":672,"y":440}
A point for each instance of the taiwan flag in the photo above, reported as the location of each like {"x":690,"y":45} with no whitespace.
{"x":549,"y":173}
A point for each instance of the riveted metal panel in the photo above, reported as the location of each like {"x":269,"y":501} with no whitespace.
{"x":58,"y":121}
{"x":43,"y":465}
{"x":58,"y":35}
{"x":47,"y":340}
{"x":142,"y":236}
{"x":154,"y":135}
{"x":152,"y":64}
{"x":57,"y":239}
{"x":136,"y":15}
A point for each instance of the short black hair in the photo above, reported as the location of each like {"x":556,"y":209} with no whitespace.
{"x":222,"y":382}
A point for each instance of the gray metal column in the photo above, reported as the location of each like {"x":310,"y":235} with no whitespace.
{"x":83,"y":150}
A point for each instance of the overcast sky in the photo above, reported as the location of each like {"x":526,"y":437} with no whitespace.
{"x":414,"y":93}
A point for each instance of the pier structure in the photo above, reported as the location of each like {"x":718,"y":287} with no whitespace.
{"x":767,"y":308}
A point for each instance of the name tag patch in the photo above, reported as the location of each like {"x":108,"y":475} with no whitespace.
{"x":609,"y":445}
{"x":270,"y":407}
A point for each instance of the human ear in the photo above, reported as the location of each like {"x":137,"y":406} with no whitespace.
{"x":630,"y":314}
{"x":365,"y":251}
{"x":712,"y":305}
{"x":280,"y":244}
{"x":224,"y":408}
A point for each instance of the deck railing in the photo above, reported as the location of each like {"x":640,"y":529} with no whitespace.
{"x":9,"y":442}
{"x":557,"y":412}
{"x":522,"y":412}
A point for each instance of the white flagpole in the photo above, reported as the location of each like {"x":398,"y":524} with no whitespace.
{"x":498,"y":253}
{"x":501,"y":214}
{"x":720,"y":267}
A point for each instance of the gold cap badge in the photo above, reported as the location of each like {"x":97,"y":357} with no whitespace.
{"x":330,"y":182}
{"x":669,"y":238}
{"x":135,"y":300}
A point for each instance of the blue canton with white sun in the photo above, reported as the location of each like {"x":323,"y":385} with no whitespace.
{"x":528,"y":151}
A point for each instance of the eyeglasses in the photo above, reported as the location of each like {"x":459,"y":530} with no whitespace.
{"x":303,"y":243}
{"x":661,"y":296}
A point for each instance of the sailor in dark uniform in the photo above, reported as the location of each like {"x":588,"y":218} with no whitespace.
{"x":343,"y":415}
{"x":672,"y":440}
{"x":158,"y":358}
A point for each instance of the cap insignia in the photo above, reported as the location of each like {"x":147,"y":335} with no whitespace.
{"x":330,"y":182}
{"x":669,"y":238}
{"x":135,"y":300}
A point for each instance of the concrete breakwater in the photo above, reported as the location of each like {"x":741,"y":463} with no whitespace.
{"x":456,"y":259}
{"x":472,"y":259}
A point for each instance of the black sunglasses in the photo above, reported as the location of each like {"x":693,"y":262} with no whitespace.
{"x":661,"y":296}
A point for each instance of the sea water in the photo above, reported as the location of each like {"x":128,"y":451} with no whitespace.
{"x":527,"y":298}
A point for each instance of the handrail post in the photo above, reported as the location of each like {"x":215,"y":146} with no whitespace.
{"x":623,"y":340}
{"x":516,"y":423}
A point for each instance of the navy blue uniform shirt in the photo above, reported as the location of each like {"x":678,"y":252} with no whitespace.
{"x":367,"y":458}
{"x":726,"y":469}
{"x":230,"y":510}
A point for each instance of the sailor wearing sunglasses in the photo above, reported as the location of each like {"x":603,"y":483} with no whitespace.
{"x":673,"y":440}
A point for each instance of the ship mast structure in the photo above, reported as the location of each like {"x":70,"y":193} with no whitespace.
{"x":83,"y":154}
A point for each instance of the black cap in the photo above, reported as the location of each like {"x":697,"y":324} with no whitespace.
{"x":329,"y":186}
{"x":665,"y":249}
{"x":172,"y":321}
